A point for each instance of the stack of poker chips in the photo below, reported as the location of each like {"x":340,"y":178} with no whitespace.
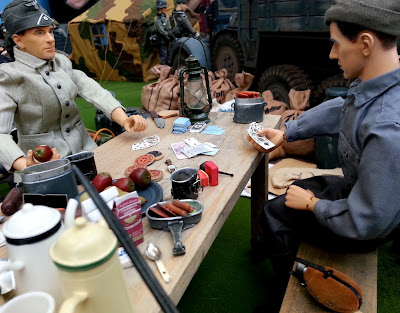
{"x":181,"y":125}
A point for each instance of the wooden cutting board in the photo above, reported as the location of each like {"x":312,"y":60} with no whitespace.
{"x":168,"y":113}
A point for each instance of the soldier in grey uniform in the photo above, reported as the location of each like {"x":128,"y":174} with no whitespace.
{"x":181,"y":24}
{"x":38,"y":90}
{"x":163,"y":30}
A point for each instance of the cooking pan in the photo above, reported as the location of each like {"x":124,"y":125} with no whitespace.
{"x":177,"y":224}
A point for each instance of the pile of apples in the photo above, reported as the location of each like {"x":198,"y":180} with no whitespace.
{"x":139,"y":179}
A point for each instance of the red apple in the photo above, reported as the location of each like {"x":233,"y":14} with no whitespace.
{"x":101,"y":181}
{"x":125,"y":184}
{"x":141,"y":177}
{"x":42,"y":153}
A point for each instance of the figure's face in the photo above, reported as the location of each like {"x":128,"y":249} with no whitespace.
{"x":348,"y":53}
{"x":163,"y":10}
{"x":38,"y":41}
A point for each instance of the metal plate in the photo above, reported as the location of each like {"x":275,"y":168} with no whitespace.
{"x":152,"y":194}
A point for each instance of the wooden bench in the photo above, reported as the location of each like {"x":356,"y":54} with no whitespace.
{"x":362,"y":267}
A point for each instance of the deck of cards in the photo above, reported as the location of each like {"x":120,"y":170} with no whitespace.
{"x":253,"y":129}
{"x":198,"y":127}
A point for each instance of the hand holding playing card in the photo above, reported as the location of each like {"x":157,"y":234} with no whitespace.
{"x":264,"y":140}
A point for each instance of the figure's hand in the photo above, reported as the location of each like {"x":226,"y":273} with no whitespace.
{"x":31,"y":161}
{"x":3,"y":51}
{"x":300,"y":199}
{"x":135,"y":123}
{"x":273,"y":135}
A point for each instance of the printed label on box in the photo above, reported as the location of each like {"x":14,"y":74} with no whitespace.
{"x":128,"y":211}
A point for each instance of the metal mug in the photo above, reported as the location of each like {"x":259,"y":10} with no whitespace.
{"x":185,"y":183}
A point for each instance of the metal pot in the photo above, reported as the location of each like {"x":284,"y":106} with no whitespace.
{"x":85,"y":162}
{"x":53,"y":177}
{"x":248,"y":110}
{"x":176,"y":224}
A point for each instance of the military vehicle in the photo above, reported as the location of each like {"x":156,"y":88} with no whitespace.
{"x":285,"y":44}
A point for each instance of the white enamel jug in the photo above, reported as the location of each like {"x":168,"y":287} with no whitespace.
{"x":29,"y":234}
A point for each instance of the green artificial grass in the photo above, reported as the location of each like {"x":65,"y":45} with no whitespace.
{"x":226,"y":280}
{"x":128,"y":93}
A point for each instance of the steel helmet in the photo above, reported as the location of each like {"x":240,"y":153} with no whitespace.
{"x":161,"y":4}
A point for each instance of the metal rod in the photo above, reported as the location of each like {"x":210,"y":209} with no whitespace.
{"x":152,"y":283}
{"x":225,"y":173}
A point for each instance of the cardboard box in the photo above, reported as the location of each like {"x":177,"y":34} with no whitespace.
{"x":129,"y":212}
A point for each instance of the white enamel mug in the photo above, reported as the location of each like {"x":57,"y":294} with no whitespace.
{"x":30,"y":302}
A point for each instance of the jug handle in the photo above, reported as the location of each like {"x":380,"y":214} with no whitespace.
{"x":70,"y":304}
{"x":12,"y":266}
{"x":70,"y":211}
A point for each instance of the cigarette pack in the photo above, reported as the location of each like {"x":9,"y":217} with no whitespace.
{"x":212,"y":172}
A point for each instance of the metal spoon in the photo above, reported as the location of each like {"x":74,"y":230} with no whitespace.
{"x":154,"y":254}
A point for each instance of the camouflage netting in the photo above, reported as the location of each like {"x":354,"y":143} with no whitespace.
{"x":121,"y":52}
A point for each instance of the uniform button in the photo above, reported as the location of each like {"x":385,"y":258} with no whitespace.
{"x":345,"y":153}
{"x":67,"y":103}
{"x":67,"y":116}
{"x":67,"y":130}
{"x":47,"y":73}
{"x":59,"y":86}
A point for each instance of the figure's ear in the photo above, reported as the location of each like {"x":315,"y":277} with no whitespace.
{"x":18,"y":40}
{"x":367,"y":42}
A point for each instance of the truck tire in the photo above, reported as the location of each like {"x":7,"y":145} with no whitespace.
{"x":280,"y":79}
{"x":318,"y":94}
{"x":227,"y":53}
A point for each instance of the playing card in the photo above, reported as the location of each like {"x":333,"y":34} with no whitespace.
{"x":146,"y":143}
{"x":192,"y":142}
{"x":253,"y":129}
{"x":195,"y":150}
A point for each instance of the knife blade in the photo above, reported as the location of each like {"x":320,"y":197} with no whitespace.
{"x":160,"y":123}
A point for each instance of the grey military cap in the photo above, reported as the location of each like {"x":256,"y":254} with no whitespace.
{"x":20,"y":15}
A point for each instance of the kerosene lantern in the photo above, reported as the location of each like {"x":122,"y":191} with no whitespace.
{"x":195,"y":98}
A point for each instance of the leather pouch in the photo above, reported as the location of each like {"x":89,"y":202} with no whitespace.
{"x":328,"y":286}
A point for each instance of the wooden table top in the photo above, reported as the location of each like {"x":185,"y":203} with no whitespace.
{"x":236,"y":156}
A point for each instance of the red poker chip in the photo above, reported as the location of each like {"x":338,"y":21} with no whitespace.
{"x":156,"y":175}
{"x":130,"y":169}
{"x":144,"y":160}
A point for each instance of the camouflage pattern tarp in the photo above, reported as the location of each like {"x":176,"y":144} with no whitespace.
{"x":110,"y":40}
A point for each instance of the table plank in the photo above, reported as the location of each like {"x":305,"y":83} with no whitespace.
{"x":236,"y":156}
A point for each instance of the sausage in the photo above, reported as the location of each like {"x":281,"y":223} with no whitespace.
{"x":183,"y":205}
{"x":168,"y":211}
{"x":175,"y":209}
{"x":12,"y":202}
{"x":159,"y":212}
